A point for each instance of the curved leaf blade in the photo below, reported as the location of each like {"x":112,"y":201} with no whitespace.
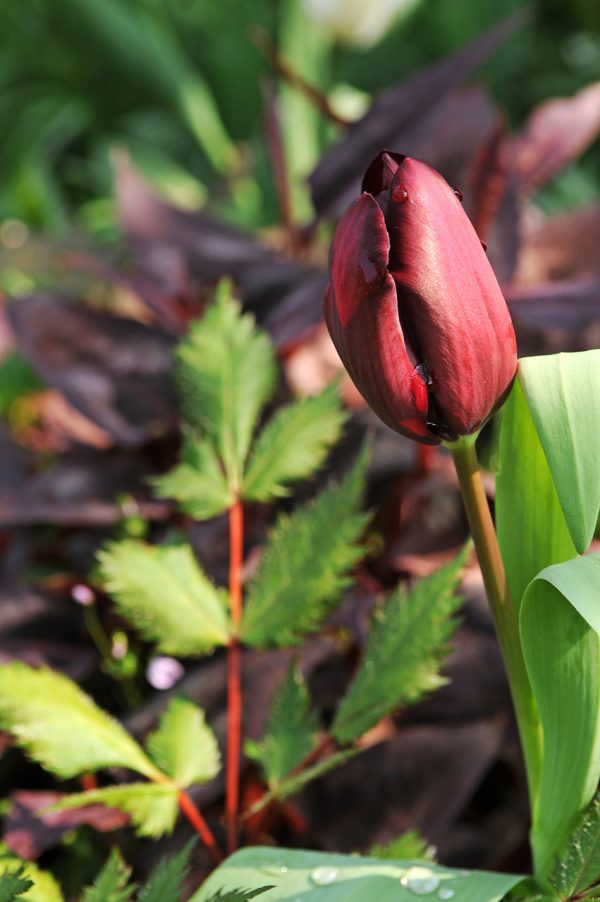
{"x":61,"y":727}
{"x":152,"y":806}
{"x":184,"y":746}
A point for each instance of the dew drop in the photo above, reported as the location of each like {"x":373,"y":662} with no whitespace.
{"x":324,"y":875}
{"x":274,"y":870}
{"x":459,"y":194}
{"x":446,"y":893}
{"x":399,"y":195}
{"x":420,"y":881}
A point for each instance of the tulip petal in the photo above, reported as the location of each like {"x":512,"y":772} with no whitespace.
{"x":361,"y":311}
{"x":450,"y":305}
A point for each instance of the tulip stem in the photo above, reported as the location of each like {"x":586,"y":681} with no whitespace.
{"x":503,"y":608}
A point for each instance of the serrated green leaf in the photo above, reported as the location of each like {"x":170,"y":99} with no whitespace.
{"x":305,"y":565}
{"x":409,"y":845}
{"x":238,"y":895}
{"x":291,"y":731}
{"x":151,"y":806}
{"x":198,"y":483}
{"x":406,"y":649}
{"x":563,"y":394}
{"x":291,"y":785}
{"x":111,"y":884}
{"x":166,"y":881}
{"x":163,"y":592}
{"x":578,"y":865}
{"x":60,"y":726}
{"x":41,"y":885}
{"x":293,"y":444}
{"x":351,"y":878}
{"x":226,"y":372}
{"x":13,"y":883}
{"x":184,"y":746}
{"x":560,"y":632}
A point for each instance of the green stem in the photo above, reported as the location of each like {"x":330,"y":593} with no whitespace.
{"x":503,"y":608}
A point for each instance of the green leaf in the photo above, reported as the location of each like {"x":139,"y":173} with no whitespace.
{"x":163,"y":592}
{"x":563,"y":393}
{"x":184,"y":746}
{"x":293,"y":784}
{"x":314,"y":876}
{"x":409,"y":845}
{"x":291,"y":731}
{"x":305,"y":565}
{"x":560,"y":631}
{"x":578,"y":866}
{"x":407,"y":647}
{"x":13,"y":883}
{"x":166,"y":881}
{"x":198,"y":483}
{"x":238,"y":895}
{"x":226,"y":373}
{"x":532,"y":531}
{"x":41,"y":885}
{"x":60,"y":726}
{"x":111,"y":884}
{"x":152,"y":806}
{"x":293,"y":444}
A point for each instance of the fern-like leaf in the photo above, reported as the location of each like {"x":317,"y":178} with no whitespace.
{"x":408,"y":846}
{"x":13,"y":883}
{"x":305,"y":565}
{"x":291,"y":731}
{"x":165,"y":884}
{"x":405,"y":652}
{"x":112,"y":883}
{"x":238,"y":895}
{"x":151,"y":806}
{"x":293,"y":444}
{"x":578,"y":866}
{"x":226,"y":372}
{"x":184,"y":746}
{"x":60,"y":726}
{"x":198,"y":483}
{"x":163,"y":592}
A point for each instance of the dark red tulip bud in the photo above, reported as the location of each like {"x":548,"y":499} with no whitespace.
{"x":414,"y":308}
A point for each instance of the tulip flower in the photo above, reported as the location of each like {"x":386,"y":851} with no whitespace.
{"x":413,"y":306}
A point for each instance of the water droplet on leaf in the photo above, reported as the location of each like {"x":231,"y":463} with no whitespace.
{"x":420,"y":881}
{"x":324,"y":876}
{"x":399,"y":195}
{"x":446,"y":893}
{"x":274,"y":870}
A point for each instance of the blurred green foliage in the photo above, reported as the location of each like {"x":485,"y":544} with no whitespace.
{"x":179,"y":83}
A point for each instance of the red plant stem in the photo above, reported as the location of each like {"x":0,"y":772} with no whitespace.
{"x":234,"y":677}
{"x":195,"y":818}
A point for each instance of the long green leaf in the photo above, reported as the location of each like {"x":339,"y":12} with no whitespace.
{"x":532,"y":530}
{"x":184,"y":746}
{"x":163,"y":592}
{"x":226,"y":373}
{"x":152,"y":806}
{"x":560,"y":629}
{"x":316,"y":876}
{"x":293,"y":445}
{"x":305,"y":565}
{"x":60,"y":726}
{"x":563,"y":393}
{"x":198,"y":483}
{"x":406,"y":649}
{"x":291,"y":731}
